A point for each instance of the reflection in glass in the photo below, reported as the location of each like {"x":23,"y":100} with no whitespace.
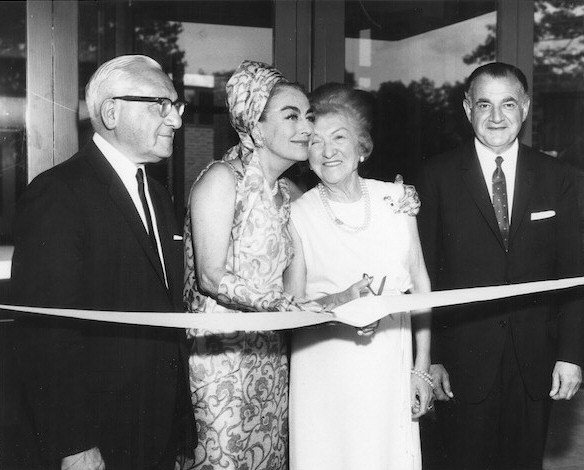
{"x":12,"y":111}
{"x":558,"y":80}
{"x":415,"y":56}
{"x":558,"y":85}
{"x":199,"y":44}
{"x":212,"y":52}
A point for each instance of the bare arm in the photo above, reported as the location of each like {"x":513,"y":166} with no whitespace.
{"x":212,"y":209}
{"x":295,"y":273}
{"x":212,"y":213}
{"x":421,"y":284}
{"x":421,"y":392}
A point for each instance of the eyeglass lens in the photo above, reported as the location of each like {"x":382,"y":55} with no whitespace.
{"x":167,"y":107}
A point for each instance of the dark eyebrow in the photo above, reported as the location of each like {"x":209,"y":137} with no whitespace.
{"x":485,"y":100}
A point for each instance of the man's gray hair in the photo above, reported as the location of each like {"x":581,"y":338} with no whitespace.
{"x":111,"y":78}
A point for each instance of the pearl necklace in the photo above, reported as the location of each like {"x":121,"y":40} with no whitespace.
{"x":328,"y":209}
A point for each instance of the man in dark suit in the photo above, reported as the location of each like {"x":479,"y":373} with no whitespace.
{"x":94,"y":233}
{"x":497,"y":212}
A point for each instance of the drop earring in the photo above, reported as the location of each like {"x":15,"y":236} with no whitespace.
{"x":361,"y":159}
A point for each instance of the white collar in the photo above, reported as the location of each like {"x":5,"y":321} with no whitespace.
{"x":122,"y":165}
{"x":509,"y":155}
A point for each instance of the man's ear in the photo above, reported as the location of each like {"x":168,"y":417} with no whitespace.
{"x":466,"y":104}
{"x":525,"y":108}
{"x":109,"y":114}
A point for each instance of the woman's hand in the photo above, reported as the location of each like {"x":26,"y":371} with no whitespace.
{"x":421,"y":396}
{"x":360,"y":289}
{"x":354,"y":291}
{"x":368,"y":330}
{"x":441,"y":379}
{"x":409,"y":203}
{"x":311,"y":306}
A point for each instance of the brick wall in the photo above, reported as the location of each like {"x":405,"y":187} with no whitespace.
{"x":199,"y":151}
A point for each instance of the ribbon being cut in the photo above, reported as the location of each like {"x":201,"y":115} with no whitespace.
{"x":358,"y":313}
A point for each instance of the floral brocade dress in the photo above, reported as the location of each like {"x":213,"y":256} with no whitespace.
{"x":239,"y":381}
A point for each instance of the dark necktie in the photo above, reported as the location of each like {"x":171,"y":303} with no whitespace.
{"x":500,"y":201}
{"x":141,"y":192}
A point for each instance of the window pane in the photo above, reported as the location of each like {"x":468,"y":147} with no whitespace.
{"x":199,"y":44}
{"x":557,"y":105}
{"x":215,"y":39}
{"x":558,"y":80}
{"x":415,"y":55}
{"x":12,"y":111}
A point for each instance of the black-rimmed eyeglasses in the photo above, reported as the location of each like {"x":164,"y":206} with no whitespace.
{"x":166,"y":104}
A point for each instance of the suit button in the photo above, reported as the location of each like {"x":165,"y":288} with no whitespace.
{"x":173,"y":364}
{"x":503,"y":323}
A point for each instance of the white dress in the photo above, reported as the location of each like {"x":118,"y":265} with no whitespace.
{"x":349,"y":394}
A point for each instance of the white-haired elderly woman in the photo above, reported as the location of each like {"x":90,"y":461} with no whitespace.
{"x":354,"y":399}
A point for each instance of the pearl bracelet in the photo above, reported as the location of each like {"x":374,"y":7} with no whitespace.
{"x":424,"y":376}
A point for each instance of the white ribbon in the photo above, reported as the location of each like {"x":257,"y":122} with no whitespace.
{"x":358,"y":313}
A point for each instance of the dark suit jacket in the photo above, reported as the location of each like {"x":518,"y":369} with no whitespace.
{"x":463,"y":248}
{"x":80,"y":243}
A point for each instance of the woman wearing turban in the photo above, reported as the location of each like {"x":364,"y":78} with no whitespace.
{"x":237,"y":245}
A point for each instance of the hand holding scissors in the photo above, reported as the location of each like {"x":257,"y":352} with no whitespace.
{"x":370,"y":329}
{"x":381,"y":285}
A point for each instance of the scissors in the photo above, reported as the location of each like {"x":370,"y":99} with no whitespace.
{"x":381,"y":286}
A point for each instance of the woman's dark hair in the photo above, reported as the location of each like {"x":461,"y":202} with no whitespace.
{"x":278,"y":88}
{"x":356,"y":105}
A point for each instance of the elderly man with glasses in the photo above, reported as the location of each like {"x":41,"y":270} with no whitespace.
{"x":96,"y":233}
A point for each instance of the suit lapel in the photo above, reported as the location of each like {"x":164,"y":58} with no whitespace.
{"x":121,"y":198}
{"x":474,"y":180}
{"x":524,"y":178}
{"x":164,"y":232}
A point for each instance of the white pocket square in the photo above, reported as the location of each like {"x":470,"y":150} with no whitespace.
{"x":177,"y":237}
{"x":542,"y":215}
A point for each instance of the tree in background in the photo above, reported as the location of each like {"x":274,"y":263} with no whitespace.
{"x":558,"y":44}
{"x":159,"y":40}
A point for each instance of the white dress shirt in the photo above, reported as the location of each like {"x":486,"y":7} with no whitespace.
{"x":126,"y":170}
{"x":509,"y":166}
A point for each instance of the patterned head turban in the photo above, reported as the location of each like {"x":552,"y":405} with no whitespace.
{"x":248,"y":91}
